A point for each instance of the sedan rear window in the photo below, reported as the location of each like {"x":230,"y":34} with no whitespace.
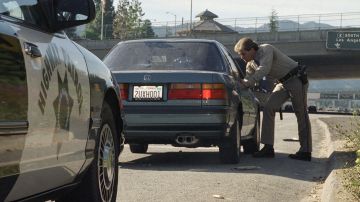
{"x":165,"y":56}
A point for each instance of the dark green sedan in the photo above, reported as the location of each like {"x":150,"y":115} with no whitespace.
{"x":185,"y":93}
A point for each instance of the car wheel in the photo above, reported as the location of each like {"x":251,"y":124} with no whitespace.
{"x":101,"y":180}
{"x":139,"y":148}
{"x":231,"y":147}
{"x":252,"y":145}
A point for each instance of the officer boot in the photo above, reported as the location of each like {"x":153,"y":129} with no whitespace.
{"x":266,"y":152}
{"x":304,"y":156}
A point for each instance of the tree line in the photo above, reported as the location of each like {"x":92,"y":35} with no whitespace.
{"x":125,"y":23}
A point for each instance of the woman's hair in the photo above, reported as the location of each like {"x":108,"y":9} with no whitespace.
{"x":245,"y":44}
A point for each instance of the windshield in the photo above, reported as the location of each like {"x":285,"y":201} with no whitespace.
{"x":165,"y":56}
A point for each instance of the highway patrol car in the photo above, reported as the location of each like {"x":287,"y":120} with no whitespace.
{"x":60,"y":118}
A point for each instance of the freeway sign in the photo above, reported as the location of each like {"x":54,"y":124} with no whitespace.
{"x":343,"y":40}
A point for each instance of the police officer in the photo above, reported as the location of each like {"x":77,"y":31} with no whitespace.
{"x":266,"y":60}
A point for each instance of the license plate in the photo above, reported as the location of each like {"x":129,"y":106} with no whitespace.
{"x":148,"y":93}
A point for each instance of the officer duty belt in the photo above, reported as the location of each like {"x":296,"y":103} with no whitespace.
{"x":298,"y":71}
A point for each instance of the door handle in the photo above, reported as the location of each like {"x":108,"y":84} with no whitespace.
{"x":32,"y":50}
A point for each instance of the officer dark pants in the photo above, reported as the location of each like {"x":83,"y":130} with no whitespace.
{"x":297,"y":91}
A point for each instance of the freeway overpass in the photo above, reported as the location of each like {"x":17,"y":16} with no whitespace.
{"x":307,"y":47}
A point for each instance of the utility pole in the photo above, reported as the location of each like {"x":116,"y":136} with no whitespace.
{"x":182,"y":24}
{"x":175,"y":21}
{"x":102,"y":19}
{"x":191,"y":16}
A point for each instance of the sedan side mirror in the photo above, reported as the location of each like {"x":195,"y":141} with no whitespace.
{"x":62,"y":14}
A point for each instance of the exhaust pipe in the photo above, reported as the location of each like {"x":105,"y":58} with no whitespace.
{"x":186,"y":140}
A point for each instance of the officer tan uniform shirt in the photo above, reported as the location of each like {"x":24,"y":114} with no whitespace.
{"x":272,"y":63}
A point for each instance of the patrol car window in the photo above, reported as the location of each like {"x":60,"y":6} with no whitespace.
{"x":25,"y":10}
{"x":13,"y":85}
{"x":69,"y":10}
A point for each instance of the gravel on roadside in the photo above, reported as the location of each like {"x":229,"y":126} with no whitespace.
{"x":347,"y":130}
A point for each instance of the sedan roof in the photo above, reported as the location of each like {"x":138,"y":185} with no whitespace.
{"x":171,"y":40}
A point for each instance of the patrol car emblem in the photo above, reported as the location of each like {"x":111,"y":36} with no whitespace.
{"x":54,"y":59}
{"x":63,"y":104}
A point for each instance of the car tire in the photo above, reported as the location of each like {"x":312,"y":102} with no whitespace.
{"x":230,"y":149}
{"x":101,"y":180}
{"x":253,"y":145}
{"x":139,"y":148}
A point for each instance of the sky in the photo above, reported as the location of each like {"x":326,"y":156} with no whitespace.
{"x":155,"y":10}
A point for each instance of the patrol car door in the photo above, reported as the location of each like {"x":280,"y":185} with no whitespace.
{"x":58,"y":103}
{"x":13,"y":108}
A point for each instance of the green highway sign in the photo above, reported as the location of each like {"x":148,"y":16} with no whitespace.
{"x":343,"y":40}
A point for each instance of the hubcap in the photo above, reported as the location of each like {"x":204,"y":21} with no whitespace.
{"x":106,"y":163}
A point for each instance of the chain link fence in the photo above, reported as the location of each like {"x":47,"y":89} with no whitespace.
{"x":327,"y":21}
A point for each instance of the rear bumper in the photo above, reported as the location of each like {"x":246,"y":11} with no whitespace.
{"x":165,"y":127}
{"x":206,"y":134}
{"x":171,"y":131}
{"x":168,"y":120}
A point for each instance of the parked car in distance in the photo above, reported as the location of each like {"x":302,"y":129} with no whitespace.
{"x":312,"y":109}
{"x":185,"y":93}
{"x":60,"y":116}
{"x":288,"y":108}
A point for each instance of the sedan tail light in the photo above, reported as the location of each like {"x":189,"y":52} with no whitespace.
{"x":214,"y":91}
{"x":197,"y":91}
{"x":124,"y":91}
{"x":185,"y":91}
